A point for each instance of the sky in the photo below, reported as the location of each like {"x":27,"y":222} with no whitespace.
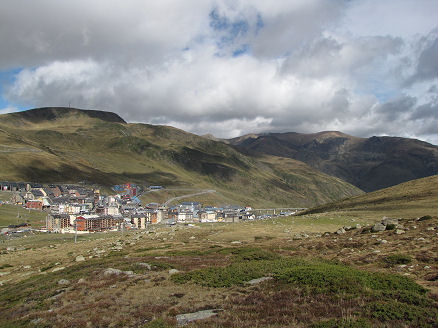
{"x":230,"y":67}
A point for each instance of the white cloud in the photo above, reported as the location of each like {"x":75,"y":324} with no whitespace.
{"x":229,"y":67}
{"x":7,"y":110}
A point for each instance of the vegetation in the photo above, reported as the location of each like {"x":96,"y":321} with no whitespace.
{"x":63,"y":146}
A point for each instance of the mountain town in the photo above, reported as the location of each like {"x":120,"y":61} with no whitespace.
{"x":73,"y":208}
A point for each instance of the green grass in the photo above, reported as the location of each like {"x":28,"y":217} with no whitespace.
{"x":410,"y":199}
{"x":9,"y":213}
{"x":107,"y":153}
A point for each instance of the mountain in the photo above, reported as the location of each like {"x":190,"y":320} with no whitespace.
{"x":368,"y":163}
{"x":409,"y":199}
{"x":71,"y":145}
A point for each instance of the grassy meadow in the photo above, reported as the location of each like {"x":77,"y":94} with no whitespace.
{"x":314,"y":280}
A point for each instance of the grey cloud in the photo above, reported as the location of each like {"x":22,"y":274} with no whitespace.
{"x":165,"y":62}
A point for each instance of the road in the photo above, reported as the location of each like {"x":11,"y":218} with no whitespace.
{"x":189,"y":195}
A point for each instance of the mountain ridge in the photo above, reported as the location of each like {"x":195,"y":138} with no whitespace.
{"x":76,"y":147}
{"x":368,"y":163}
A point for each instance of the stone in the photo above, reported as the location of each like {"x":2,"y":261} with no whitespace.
{"x":64,"y":282}
{"x":183,"y":319}
{"x":236,"y":242}
{"x":111,"y":271}
{"x":399,"y":232}
{"x":192,"y":237}
{"x":358,"y":226}
{"x":259,"y":280}
{"x":378,"y":227}
{"x":386,"y":221}
{"x":340,"y":231}
{"x":383,"y":241}
{"x":80,"y":258}
{"x":173,"y":271}
{"x":10,"y":248}
{"x":27,"y":267}
{"x":58,"y":269}
{"x":430,"y":229}
{"x":81,"y":281}
{"x":145,"y":265}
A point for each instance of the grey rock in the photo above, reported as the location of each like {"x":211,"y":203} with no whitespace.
{"x":183,"y":319}
{"x":378,"y":227}
{"x":340,"y":231}
{"x":399,"y":232}
{"x":81,"y":281}
{"x":386,"y":221}
{"x":236,"y":242}
{"x":64,"y":282}
{"x":259,"y":280}
{"x":173,"y":271}
{"x":111,"y":271}
{"x":58,"y":269}
{"x":10,"y":248}
{"x":430,"y":229}
{"x":80,"y":258}
{"x":145,"y":265}
{"x":358,"y":226}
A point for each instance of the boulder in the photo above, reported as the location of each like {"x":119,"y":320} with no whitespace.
{"x":183,"y":319}
{"x":64,"y":282}
{"x":378,"y":227}
{"x":387,"y":221}
{"x":399,"y":232}
{"x":111,"y":271}
{"x":58,"y":269}
{"x":259,"y":280}
{"x":145,"y":265}
{"x":80,"y":258}
{"x":340,"y":231}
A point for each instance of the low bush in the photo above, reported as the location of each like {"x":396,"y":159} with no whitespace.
{"x":4,"y":266}
{"x":391,"y":310}
{"x":395,"y":259}
{"x":342,"y":323}
{"x":425,"y":218}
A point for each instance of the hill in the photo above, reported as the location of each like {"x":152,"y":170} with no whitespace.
{"x":71,"y":145}
{"x":368,"y":163}
{"x":410,"y":199}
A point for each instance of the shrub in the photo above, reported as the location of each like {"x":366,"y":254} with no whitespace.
{"x":397,"y":259}
{"x":425,"y":217}
{"x":393,"y":310}
{"x":343,"y":323}
{"x":234,"y":274}
{"x":391,"y":226}
{"x":343,"y":279}
{"x":4,"y":266}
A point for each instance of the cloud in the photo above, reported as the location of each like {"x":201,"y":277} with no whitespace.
{"x":229,"y":67}
{"x":7,"y":110}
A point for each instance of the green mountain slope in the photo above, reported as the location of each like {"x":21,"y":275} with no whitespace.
{"x":368,"y":163}
{"x":71,"y":145}
{"x":413,"y":198}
